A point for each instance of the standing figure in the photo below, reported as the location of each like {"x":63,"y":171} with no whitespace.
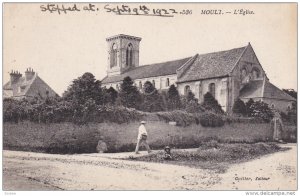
{"x":142,"y":138}
{"x":277,"y":127}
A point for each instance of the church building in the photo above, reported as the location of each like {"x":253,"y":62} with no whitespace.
{"x":227,"y":75}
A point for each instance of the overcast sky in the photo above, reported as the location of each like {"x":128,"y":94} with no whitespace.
{"x":62,"y":47}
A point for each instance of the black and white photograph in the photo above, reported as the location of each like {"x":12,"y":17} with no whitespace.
{"x":117,"y":96}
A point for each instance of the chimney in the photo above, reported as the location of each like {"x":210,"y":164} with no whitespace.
{"x":14,"y":76}
{"x":29,"y":73}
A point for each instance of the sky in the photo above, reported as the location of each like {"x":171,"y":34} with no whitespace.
{"x":62,"y":47}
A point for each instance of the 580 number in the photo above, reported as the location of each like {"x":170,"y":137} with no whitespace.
{"x":186,"y":12}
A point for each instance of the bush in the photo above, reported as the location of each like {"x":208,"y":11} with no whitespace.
{"x":64,"y":111}
{"x":239,"y":107}
{"x":181,"y":118}
{"x":173,"y":98}
{"x":152,"y":101}
{"x":130,"y":96}
{"x":261,"y":110}
{"x":211,"y":104}
{"x":193,"y":107}
{"x":211,"y":120}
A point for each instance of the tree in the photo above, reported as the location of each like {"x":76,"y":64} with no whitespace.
{"x":129,"y":95}
{"x":248,"y":106}
{"x":260,"y":109}
{"x":191,"y":104}
{"x":173,"y":98}
{"x":85,"y":88}
{"x":211,"y":104}
{"x":152,"y":99}
{"x":291,"y":92}
{"x":112,"y":95}
{"x":191,"y":97}
{"x":239,"y":107}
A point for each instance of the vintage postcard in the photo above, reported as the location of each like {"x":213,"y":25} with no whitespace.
{"x":150,"y":96}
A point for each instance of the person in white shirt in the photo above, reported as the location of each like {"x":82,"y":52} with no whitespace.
{"x":142,"y":138}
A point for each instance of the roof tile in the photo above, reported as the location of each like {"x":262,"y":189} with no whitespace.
{"x":147,"y":71}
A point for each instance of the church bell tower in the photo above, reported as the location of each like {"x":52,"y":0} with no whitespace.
{"x":123,"y":53}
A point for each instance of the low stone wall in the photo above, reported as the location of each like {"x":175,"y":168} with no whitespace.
{"x":70,"y":138}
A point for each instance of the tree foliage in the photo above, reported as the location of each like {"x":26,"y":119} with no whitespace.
{"x":260,"y":109}
{"x":248,"y":106}
{"x":211,"y":104}
{"x":85,"y":88}
{"x":152,"y":101}
{"x":129,"y":95}
{"x":173,"y":98}
{"x":239,"y":107}
{"x":112,"y":95}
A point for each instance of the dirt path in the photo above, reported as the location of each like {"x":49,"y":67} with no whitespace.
{"x":37,"y":171}
{"x":276,"y":171}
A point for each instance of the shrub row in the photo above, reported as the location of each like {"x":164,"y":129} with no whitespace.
{"x":64,"y":111}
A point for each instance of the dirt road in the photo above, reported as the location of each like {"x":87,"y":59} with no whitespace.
{"x":38,"y":171}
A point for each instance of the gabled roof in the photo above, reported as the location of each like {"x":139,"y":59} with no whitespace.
{"x":212,"y":65}
{"x":271,"y":91}
{"x":21,"y":82}
{"x":29,"y":88}
{"x":202,"y":66}
{"x":147,"y":71}
{"x":261,"y":89}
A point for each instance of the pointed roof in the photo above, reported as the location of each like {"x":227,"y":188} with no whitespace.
{"x":147,"y":71}
{"x":21,"y":82}
{"x":197,"y":67}
{"x":29,"y":88}
{"x":263,"y":89}
{"x":213,"y":65}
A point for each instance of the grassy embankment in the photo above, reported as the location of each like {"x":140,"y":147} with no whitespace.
{"x":70,"y":138}
{"x":214,"y":155}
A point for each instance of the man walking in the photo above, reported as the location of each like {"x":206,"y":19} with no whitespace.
{"x":142,"y":138}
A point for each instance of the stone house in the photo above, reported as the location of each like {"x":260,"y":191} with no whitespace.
{"x":227,"y":75}
{"x":28,"y":86}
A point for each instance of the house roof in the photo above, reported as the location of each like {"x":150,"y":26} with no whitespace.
{"x":147,"y":71}
{"x":212,"y":65}
{"x":271,"y":91}
{"x":21,"y":82}
{"x":34,"y":86}
{"x":261,"y":89}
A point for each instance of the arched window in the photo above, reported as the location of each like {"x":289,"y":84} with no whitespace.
{"x":140,"y":85}
{"x":212,"y":89}
{"x":289,"y":108}
{"x":167,"y":82}
{"x":272,"y":106}
{"x":113,"y":55}
{"x":255,"y":73}
{"x":117,"y":87}
{"x":243,"y":73}
{"x":187,"y":89}
{"x":129,"y":55}
{"x":153,"y":83}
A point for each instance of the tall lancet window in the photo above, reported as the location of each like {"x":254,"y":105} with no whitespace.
{"x":113,"y":56}
{"x":129,"y":55}
{"x":212,"y":89}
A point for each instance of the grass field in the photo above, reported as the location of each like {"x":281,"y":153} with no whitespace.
{"x":69,"y":138}
{"x":214,"y":155}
